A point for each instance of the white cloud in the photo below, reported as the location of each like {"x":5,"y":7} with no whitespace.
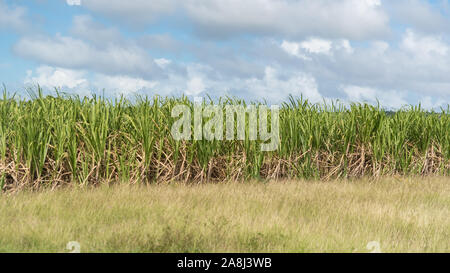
{"x":373,"y":3}
{"x":163,"y":42}
{"x":54,"y":77}
{"x":122,"y":84}
{"x":396,"y":74}
{"x":293,"y":49}
{"x":424,"y":46}
{"x":86,"y":28}
{"x":306,"y":48}
{"x":390,"y":98}
{"x":195,"y":86}
{"x":380,"y":47}
{"x":78,"y":82}
{"x":317,"y":46}
{"x":424,"y":16}
{"x":162,"y":62}
{"x":345,"y":45}
{"x":276,"y":87}
{"x":223,"y":18}
{"x":357,"y":93}
{"x":72,"y":53}
{"x":428,"y":102}
{"x":13,"y":18}
{"x":136,"y":12}
{"x":309,"y":44}
{"x":73,"y":2}
{"x":328,"y":18}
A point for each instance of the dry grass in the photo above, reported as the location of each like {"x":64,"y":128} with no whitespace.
{"x":404,"y":215}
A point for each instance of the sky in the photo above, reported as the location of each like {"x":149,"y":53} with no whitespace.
{"x":394,"y":52}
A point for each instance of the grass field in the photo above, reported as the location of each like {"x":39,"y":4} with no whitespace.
{"x":333,"y":188}
{"x":403,"y":215}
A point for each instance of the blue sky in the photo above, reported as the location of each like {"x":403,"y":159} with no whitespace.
{"x":396,"y":52}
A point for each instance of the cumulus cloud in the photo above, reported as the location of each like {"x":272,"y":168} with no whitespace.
{"x":73,"y":2}
{"x":427,"y":102}
{"x":195,"y":86}
{"x":84,"y":27}
{"x":54,"y":77}
{"x":160,"y":42}
{"x":13,"y":18}
{"x":390,"y":98}
{"x":79,"y":81}
{"x":354,"y":19}
{"x":415,"y":69}
{"x":136,"y":12}
{"x":68,"y":52}
{"x":418,"y":64}
{"x":424,"y":46}
{"x":162,"y":62}
{"x":92,"y":46}
{"x":293,"y":49}
{"x":311,"y":46}
{"x":425,"y":16}
{"x":122,"y":84}
{"x":315,"y":48}
{"x":276,"y":87}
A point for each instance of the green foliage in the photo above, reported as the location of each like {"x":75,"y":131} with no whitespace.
{"x":65,"y":139}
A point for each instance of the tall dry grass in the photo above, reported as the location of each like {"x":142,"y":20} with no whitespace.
{"x":402,"y":215}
